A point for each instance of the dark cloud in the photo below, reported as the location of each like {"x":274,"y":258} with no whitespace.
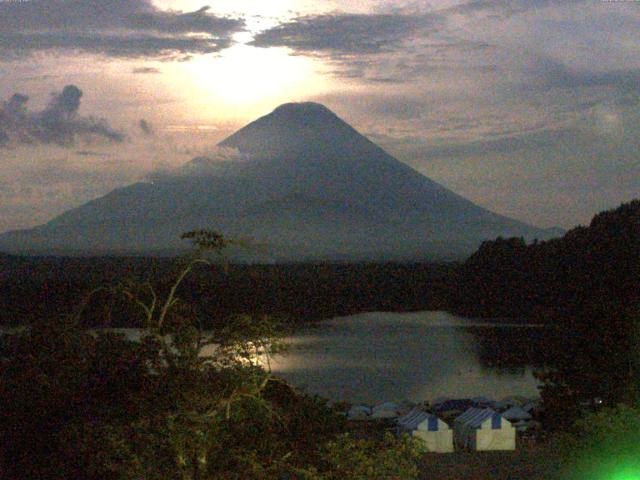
{"x":401,"y":108}
{"x":507,"y":142}
{"x":63,"y":105}
{"x":90,"y":153}
{"x":200,"y":21}
{"x":589,"y":88}
{"x":627,"y":81}
{"x":505,"y":8}
{"x":560,"y":175}
{"x":37,"y":78}
{"x":60,"y":173}
{"x":145,"y":70}
{"x":112,"y":27}
{"x":59,"y":123}
{"x":383,"y":48}
{"x":344,"y":33}
{"x":111,"y":44}
{"x":551,"y":73}
{"x":146,"y":127}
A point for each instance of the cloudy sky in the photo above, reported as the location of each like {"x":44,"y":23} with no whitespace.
{"x":530,"y":108}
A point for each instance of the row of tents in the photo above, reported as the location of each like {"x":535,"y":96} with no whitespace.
{"x":472,"y":424}
{"x":517,"y":403}
{"x":476,"y":429}
{"x":514,"y":409}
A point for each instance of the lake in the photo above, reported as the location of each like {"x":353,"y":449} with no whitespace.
{"x":373,"y":357}
{"x":379,"y":356}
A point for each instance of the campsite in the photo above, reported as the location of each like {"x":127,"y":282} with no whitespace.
{"x":523,"y":456}
{"x":460,"y":425}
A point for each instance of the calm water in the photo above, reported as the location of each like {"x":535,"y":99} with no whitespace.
{"x":375,"y":357}
{"x":420,"y":356}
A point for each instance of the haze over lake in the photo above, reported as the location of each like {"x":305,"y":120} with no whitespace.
{"x":373,"y":357}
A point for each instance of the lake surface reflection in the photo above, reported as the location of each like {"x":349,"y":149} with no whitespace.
{"x":373,"y":357}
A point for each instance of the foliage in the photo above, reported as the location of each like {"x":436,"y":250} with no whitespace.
{"x":605,"y":444}
{"x":548,"y":281}
{"x":394,"y":458}
{"x":177,"y":403}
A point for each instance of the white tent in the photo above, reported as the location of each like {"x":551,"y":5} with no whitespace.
{"x":484,"y":429}
{"x":435,"y":433}
{"x":515,"y":414}
{"x":385,"y":410}
{"x":358,"y":412}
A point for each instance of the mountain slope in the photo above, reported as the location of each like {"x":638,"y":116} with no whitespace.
{"x":310,"y":187}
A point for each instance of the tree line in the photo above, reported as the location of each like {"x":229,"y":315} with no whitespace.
{"x":32,"y":287}
{"x":552,"y":280}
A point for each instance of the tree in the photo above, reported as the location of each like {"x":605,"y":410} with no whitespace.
{"x":175,"y":403}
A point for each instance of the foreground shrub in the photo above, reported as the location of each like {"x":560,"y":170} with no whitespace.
{"x":602,"y":445}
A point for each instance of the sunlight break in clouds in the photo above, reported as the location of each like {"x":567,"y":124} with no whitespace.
{"x":242,"y":77}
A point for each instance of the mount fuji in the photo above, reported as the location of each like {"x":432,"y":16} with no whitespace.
{"x":307,"y":186}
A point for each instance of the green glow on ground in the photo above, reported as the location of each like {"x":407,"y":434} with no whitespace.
{"x":625,"y":474}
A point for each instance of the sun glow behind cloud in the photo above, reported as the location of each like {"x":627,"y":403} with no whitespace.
{"x":245,"y":78}
{"x":244,"y":75}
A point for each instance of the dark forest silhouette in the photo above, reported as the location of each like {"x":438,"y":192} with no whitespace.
{"x":546,"y":281}
{"x":543,"y":282}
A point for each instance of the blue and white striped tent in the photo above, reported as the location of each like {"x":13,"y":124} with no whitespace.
{"x":436,"y":434}
{"x":475,"y":417}
{"x":484,"y":429}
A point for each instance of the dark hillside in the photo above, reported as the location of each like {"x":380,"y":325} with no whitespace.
{"x":598,"y":264}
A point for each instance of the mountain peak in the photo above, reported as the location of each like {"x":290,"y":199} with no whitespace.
{"x":303,"y":115}
{"x":304,"y":109}
{"x":290,"y":128}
